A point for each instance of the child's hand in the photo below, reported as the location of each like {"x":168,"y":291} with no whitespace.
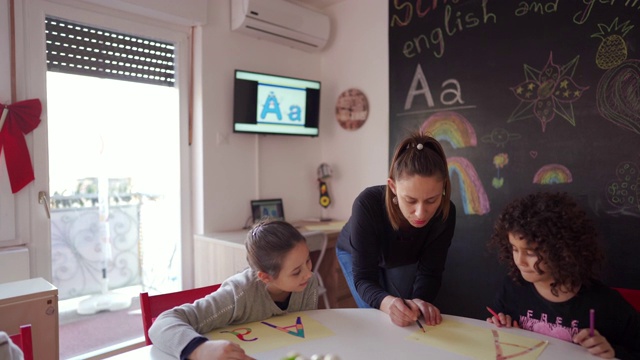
{"x":503,"y":320}
{"x":219,"y":350}
{"x":430,"y":313}
{"x":596,"y":345}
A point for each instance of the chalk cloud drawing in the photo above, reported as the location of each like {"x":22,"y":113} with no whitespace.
{"x":451,"y":127}
{"x":500,"y":137}
{"x":474,"y":197}
{"x":549,"y":92}
{"x":553,"y":174}
{"x":624,"y":192}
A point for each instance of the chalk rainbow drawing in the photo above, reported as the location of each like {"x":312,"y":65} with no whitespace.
{"x":451,"y":127}
{"x":474,"y":198}
{"x":552,"y":174}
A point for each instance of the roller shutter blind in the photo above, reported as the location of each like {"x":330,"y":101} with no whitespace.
{"x":83,"y":50}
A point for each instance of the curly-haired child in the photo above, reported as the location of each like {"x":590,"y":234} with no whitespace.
{"x":551,"y":250}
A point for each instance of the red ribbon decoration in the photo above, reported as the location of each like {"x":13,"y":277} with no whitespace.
{"x":19,"y":119}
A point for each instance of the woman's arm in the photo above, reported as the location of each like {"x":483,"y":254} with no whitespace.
{"x":367,"y":229}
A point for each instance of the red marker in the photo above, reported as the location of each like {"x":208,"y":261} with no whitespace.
{"x":494,"y":314}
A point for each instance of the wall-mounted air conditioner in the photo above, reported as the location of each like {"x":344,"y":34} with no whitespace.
{"x":282,"y":22}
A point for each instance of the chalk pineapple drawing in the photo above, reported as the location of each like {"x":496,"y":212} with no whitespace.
{"x":613,"y":49}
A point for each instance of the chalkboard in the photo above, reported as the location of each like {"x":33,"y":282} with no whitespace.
{"x":524,"y":96}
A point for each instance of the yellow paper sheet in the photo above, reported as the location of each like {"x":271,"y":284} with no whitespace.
{"x":478,"y":342}
{"x":334,"y":225}
{"x":257,"y":336}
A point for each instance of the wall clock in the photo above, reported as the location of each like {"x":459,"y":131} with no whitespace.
{"x":352,"y":109}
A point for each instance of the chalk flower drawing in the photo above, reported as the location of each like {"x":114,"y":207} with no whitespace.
{"x":550,"y":92}
{"x":499,"y":161}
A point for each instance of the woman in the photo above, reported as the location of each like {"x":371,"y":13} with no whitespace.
{"x":395,"y":244}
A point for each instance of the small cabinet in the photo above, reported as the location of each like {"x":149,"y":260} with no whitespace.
{"x":33,"y":301}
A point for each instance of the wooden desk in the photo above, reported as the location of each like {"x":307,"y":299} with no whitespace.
{"x":219,"y":255}
{"x":369,"y":334}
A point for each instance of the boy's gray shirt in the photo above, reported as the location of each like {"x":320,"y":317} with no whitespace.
{"x":8,"y":349}
{"x":242,"y":298}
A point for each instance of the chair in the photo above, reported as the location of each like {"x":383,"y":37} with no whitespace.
{"x":317,"y":241}
{"x":24,"y":341}
{"x":152,"y":305}
{"x":632,"y":296}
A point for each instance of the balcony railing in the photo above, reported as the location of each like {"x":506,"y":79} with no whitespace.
{"x":78,"y":254}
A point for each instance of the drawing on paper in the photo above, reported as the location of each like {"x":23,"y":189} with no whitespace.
{"x":480,"y":343}
{"x":298,"y":326}
{"x":274,"y":333}
{"x":240,"y":333}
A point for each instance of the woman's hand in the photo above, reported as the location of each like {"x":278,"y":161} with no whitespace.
{"x":400,"y":312}
{"x":430,"y":313}
{"x":503,"y":320}
{"x":219,"y":350}
{"x":596,"y":345}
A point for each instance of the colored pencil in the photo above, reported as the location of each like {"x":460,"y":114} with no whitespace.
{"x":592,"y":315}
{"x":407,"y":304}
{"x":495,"y":315}
{"x":493,"y":312}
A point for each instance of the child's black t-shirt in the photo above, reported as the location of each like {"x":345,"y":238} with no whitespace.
{"x":615,"y":318}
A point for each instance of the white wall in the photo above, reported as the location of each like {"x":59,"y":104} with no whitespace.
{"x":251,"y":166}
{"x":5,"y":79}
{"x":357,"y":56}
{"x":242,"y":167}
{"x":183,"y":12}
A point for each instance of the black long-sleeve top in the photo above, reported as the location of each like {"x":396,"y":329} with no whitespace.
{"x":374,"y":244}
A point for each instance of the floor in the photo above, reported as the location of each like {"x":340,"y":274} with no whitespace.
{"x":86,"y":336}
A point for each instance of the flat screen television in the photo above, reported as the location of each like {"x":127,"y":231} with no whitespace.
{"x":273,"y":104}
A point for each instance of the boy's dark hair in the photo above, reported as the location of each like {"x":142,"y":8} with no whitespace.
{"x":566,"y":238}
{"x":268,"y":242}
{"x":418,"y":154}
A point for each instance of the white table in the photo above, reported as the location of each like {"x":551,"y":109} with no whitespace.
{"x":369,"y":334}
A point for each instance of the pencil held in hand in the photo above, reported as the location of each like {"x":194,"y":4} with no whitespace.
{"x":419,"y":324}
{"x":494,"y":315}
{"x":417,"y":321}
{"x":407,"y":304}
